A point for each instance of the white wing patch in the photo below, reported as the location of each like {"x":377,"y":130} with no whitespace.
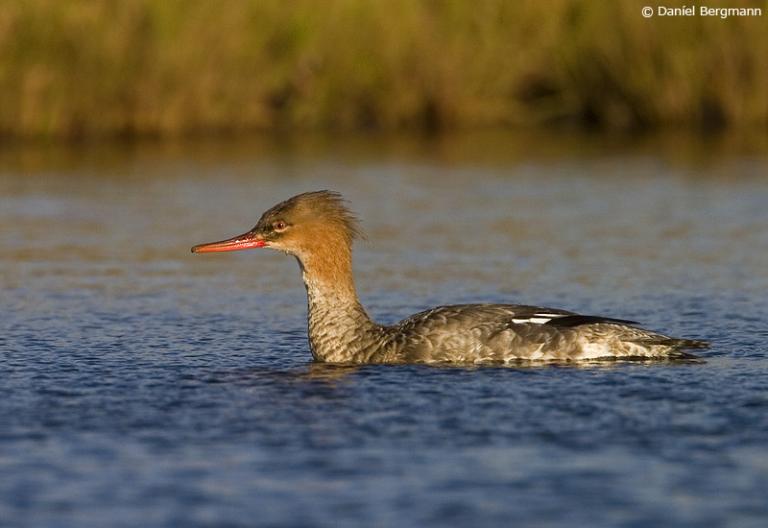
{"x":537,"y":318}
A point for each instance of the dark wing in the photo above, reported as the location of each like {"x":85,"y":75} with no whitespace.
{"x":510,"y":314}
{"x":570,"y":321}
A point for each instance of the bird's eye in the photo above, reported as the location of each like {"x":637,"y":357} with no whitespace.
{"x":279,"y":225}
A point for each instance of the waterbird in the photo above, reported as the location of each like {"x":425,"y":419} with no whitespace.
{"x":318,"y":229}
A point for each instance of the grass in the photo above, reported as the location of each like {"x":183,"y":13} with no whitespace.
{"x":85,"y":68}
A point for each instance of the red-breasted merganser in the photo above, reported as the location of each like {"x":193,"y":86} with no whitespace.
{"x":318,"y":229}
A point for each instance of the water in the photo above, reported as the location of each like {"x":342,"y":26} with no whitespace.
{"x":143,"y":386}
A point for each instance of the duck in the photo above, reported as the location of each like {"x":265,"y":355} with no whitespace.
{"x":318,"y":228}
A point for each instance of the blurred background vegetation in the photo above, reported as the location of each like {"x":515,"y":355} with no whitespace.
{"x":86,"y":68}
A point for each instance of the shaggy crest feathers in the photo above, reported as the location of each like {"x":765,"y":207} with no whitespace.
{"x":326,"y":207}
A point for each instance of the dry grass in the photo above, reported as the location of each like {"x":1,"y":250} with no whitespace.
{"x":170,"y":67}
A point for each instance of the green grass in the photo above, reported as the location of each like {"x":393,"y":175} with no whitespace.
{"x":80,"y":68}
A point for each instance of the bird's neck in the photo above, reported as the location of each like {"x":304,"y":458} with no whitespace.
{"x":339,"y":328}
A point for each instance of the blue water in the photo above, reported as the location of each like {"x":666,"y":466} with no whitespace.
{"x":143,"y":386}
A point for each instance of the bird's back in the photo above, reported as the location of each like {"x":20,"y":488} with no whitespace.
{"x":480,"y":333}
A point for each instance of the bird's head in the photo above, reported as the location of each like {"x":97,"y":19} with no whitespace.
{"x":308,"y":223}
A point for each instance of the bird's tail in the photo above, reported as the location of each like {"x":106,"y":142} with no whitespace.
{"x":674,"y":342}
{"x":676,"y":347}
